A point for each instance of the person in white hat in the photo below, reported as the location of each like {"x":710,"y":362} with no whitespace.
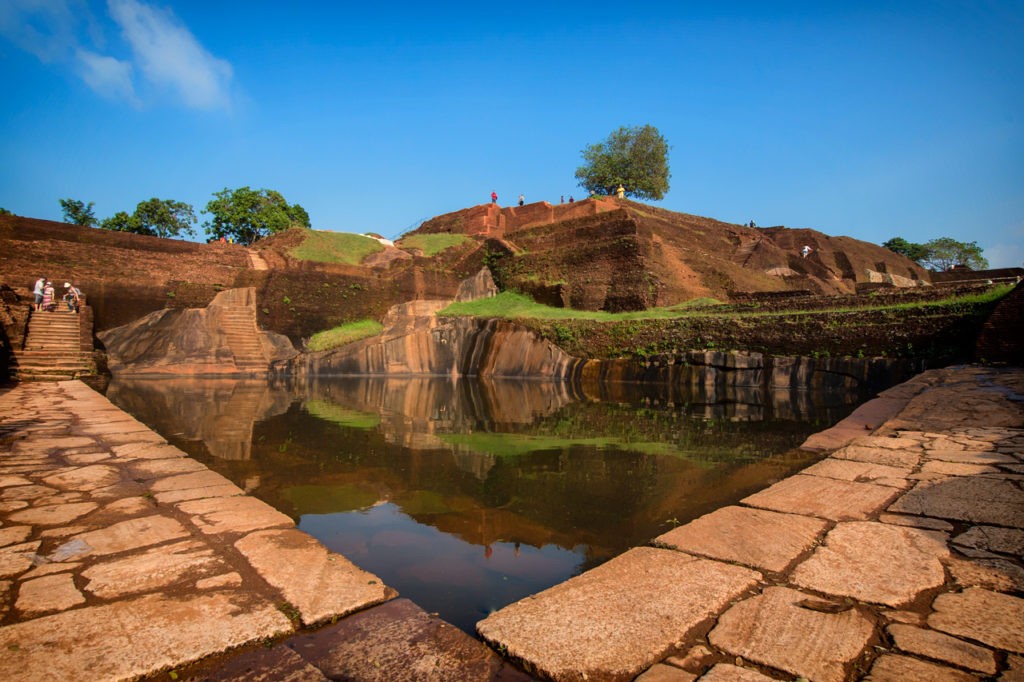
{"x":72,"y":296}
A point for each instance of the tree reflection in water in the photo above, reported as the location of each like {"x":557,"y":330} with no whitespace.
{"x":467,"y":495}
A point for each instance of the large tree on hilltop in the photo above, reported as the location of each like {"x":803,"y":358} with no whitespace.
{"x":247,"y":215}
{"x":636,"y":158}
{"x":155,"y":217}
{"x":944,"y":253}
{"x":77,"y":212}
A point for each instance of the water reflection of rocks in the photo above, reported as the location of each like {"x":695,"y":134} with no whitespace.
{"x":488,"y":460}
{"x":220,"y":413}
{"x":467,"y":495}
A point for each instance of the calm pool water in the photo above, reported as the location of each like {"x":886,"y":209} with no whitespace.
{"x":465,"y":496}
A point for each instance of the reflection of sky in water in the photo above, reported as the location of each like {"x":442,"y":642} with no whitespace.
{"x":429,"y":483}
{"x":439,"y":571}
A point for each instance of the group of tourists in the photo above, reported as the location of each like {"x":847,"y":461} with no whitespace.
{"x":620,"y":192}
{"x":46,"y":296}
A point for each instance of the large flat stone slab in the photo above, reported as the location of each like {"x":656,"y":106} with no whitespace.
{"x":278,"y":664}
{"x":726,"y":672}
{"x":147,"y":451}
{"x":992,"y":539}
{"x":321,"y":584}
{"x":128,"y":639}
{"x":971,"y":457}
{"x":49,"y":593}
{"x":147,"y":469}
{"x":865,"y":418}
{"x":53,"y":514}
{"x":85,"y":478}
{"x":941,"y":647}
{"x":975,"y":499}
{"x":903,"y":459}
{"x":759,"y":538}
{"x":233,"y":515}
{"x":12,"y":535}
{"x":155,"y":568}
{"x":193,"y":486}
{"x":618,"y":619}
{"x":896,"y":668}
{"x":862,"y":472}
{"x":399,"y":641}
{"x":989,"y":617}
{"x":128,"y":535}
{"x":775,"y":630}
{"x":875,"y":562}
{"x":827,"y":498}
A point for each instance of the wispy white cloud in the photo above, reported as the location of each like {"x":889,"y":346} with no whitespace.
{"x":169,"y":55}
{"x":46,"y":28}
{"x":164,"y":54}
{"x":108,"y":76}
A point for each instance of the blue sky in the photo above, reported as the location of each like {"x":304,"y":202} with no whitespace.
{"x":864,"y":119}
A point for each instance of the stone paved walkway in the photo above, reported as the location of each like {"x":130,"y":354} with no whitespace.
{"x":121,"y":557}
{"x":897,"y":557}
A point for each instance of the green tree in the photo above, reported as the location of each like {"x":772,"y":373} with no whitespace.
{"x":636,"y":158}
{"x":165,"y":217}
{"x":911,"y":250}
{"x":247,"y":215}
{"x":121,"y":222}
{"x":78,"y":213}
{"x":155,"y":217}
{"x":946,"y":253}
{"x":4,"y":211}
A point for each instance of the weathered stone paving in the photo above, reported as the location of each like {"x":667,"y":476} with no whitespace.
{"x":121,"y":557}
{"x":897,"y":557}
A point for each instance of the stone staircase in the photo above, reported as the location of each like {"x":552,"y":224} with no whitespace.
{"x":58,"y":346}
{"x":239,"y":326}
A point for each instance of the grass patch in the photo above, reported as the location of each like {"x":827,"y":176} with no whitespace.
{"x":330,"y":339}
{"x":335,"y":247}
{"x":342,"y":416}
{"x":516,"y":444}
{"x":511,"y":305}
{"x":328,"y":499}
{"x":431,"y":244}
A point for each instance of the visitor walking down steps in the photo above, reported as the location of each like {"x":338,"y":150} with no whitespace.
{"x":73,"y":297}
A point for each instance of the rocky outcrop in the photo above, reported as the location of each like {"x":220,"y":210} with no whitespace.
{"x":415,"y":341}
{"x":612,"y":254}
{"x":221,"y":339}
{"x":418,"y":342}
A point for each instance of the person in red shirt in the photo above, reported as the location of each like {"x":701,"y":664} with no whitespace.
{"x":494,"y":197}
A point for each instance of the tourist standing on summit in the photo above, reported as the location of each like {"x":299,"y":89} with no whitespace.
{"x":37,"y":291}
{"x":494,"y":197}
{"x":521,"y":199}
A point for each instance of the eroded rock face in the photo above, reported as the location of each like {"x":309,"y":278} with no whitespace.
{"x":221,"y":339}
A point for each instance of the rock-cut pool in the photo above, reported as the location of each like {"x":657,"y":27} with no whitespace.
{"x":468,"y":495}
